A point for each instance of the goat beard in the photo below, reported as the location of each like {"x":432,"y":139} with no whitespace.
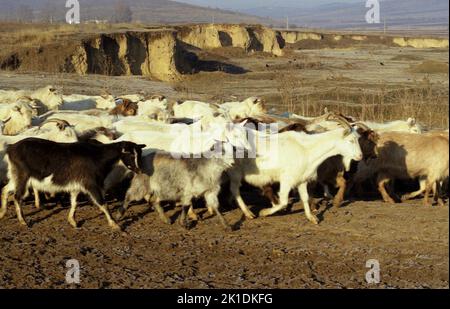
{"x":347,"y":164}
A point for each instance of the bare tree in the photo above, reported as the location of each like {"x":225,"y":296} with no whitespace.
{"x":24,"y":14}
{"x":122,"y":13}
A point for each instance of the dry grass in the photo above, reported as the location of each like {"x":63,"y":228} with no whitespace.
{"x":430,"y":67}
{"x":424,"y":101}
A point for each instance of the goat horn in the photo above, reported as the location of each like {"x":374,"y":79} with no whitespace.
{"x":324,"y":117}
{"x":61,"y":122}
{"x":341,"y":120}
{"x":156,"y":96}
{"x":362,"y":126}
{"x":6,"y":120}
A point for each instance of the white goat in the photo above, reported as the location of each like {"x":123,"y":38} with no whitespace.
{"x":48,"y":95}
{"x":249,"y":108}
{"x":410,"y":125}
{"x":79,"y":102}
{"x":292,"y":159}
{"x":16,"y":117}
{"x":156,"y":104}
{"x":82,"y":122}
{"x":194,"y":109}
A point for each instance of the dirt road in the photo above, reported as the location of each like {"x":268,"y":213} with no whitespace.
{"x":410,"y":242}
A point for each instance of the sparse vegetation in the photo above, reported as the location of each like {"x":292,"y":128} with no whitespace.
{"x":430,"y":67}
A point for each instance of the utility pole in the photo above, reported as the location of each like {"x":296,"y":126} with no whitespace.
{"x":384,"y":27}
{"x":214,"y":12}
{"x":287,"y":22}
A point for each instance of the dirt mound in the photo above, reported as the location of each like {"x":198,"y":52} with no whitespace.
{"x":154,"y":54}
{"x":161,"y":54}
{"x":421,"y":42}
{"x":430,"y":67}
{"x":306,"y":40}
{"x":314,"y":40}
{"x":249,"y":38}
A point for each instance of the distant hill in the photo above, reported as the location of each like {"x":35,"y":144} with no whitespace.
{"x":147,"y":11}
{"x":398,"y":13}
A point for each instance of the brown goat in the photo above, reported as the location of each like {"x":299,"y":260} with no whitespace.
{"x":408,"y":156}
{"x":332,"y":171}
{"x":125,"y":108}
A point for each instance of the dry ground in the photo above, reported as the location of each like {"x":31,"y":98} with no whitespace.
{"x":286,"y":251}
{"x":410,"y":240}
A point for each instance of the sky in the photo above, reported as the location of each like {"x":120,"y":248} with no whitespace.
{"x":245,"y":4}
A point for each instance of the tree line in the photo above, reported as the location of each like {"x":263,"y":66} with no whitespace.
{"x":49,"y":13}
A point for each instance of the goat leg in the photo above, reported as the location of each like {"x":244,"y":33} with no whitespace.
{"x":73,"y":207}
{"x":212,"y":202}
{"x":339,"y":197}
{"x":382,"y":180}
{"x":182,"y":220}
{"x":37,"y":200}
{"x":284,"y":199}
{"x":303,"y":191}
{"x":192,"y":215}
{"x":5,"y":194}
{"x":160,"y":211}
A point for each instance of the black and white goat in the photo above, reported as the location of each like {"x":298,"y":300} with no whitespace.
{"x":65,"y":167}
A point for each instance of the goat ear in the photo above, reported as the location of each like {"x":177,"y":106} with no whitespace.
{"x":411,"y":121}
{"x":374,"y":137}
{"x":142,"y":146}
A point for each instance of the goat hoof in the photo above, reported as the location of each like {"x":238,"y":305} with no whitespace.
{"x":313,"y":219}
{"x":265,"y":212}
{"x":166,"y":220}
{"x":250,"y":215}
{"x":116,"y":227}
{"x":73,"y":224}
{"x":24,"y":223}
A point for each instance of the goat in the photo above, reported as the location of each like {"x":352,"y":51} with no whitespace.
{"x":125,"y":107}
{"x":166,"y":178}
{"x":48,"y":95}
{"x":155,"y":108}
{"x":194,"y":109}
{"x":183,"y":140}
{"x":62,"y":133}
{"x":407,"y":156}
{"x":80,"y":121}
{"x":16,"y":117}
{"x":64,"y":167}
{"x":249,"y":108}
{"x":332,"y":171}
{"x":410,"y":125}
{"x":81,"y":102}
{"x":190,"y":139}
{"x":292,"y":160}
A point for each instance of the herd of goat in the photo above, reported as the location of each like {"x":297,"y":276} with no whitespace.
{"x":53,"y":143}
